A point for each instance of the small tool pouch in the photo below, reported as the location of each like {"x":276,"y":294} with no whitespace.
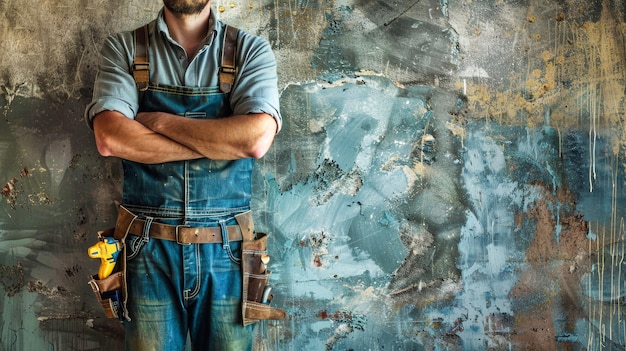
{"x":256,"y":294}
{"x":111,"y":291}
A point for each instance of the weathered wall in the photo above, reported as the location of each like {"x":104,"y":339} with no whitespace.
{"x":450,"y":175}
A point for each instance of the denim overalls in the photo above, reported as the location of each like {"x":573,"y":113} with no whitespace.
{"x":177,"y":288}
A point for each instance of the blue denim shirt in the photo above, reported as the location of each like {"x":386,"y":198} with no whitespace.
{"x":255,"y":89}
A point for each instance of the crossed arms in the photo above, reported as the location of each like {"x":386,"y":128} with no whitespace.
{"x":157,"y":137}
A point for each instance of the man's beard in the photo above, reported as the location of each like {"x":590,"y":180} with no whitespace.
{"x":185,"y":7}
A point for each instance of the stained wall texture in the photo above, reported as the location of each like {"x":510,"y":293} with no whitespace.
{"x":450,"y":175}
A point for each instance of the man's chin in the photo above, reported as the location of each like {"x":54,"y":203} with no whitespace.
{"x":185,"y":7}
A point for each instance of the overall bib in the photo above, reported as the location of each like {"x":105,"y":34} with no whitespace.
{"x":174,"y":288}
{"x":187,"y":192}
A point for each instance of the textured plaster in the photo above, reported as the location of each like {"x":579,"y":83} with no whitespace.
{"x":449,"y":175}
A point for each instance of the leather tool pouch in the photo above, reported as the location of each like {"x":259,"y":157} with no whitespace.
{"x":256,"y":290}
{"x":111,"y":291}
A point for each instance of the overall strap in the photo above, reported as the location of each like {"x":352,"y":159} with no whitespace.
{"x":228,"y":69}
{"x":141,"y":64}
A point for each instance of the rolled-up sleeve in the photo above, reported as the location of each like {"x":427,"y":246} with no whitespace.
{"x":114,"y":87}
{"x":256,"y":87}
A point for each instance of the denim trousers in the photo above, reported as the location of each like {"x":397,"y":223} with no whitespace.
{"x":176,"y":289}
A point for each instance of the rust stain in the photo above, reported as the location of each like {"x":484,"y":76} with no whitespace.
{"x":557,"y":266}
{"x":10,"y":190}
{"x":534,"y":330}
{"x":571,"y":239}
{"x":317,"y":261}
{"x":12,"y":278}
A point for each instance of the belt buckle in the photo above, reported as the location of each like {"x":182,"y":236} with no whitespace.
{"x":177,"y":234}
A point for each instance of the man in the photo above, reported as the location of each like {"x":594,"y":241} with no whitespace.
{"x":187,"y":152}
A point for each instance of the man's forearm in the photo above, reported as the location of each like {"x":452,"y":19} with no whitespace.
{"x":230,"y":138}
{"x":119,"y":136}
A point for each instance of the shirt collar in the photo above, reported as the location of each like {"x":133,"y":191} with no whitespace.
{"x":211,"y":33}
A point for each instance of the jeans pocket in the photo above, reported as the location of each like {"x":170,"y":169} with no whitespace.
{"x":133,"y":246}
{"x":234,"y":251}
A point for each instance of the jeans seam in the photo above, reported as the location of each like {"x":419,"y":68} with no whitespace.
{"x":191,"y":293}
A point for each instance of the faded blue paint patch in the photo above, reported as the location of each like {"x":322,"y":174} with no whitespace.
{"x":340,"y":219}
{"x":489,"y":259}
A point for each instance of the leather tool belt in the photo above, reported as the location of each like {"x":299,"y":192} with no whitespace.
{"x":184,"y":234}
{"x":111,"y":292}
